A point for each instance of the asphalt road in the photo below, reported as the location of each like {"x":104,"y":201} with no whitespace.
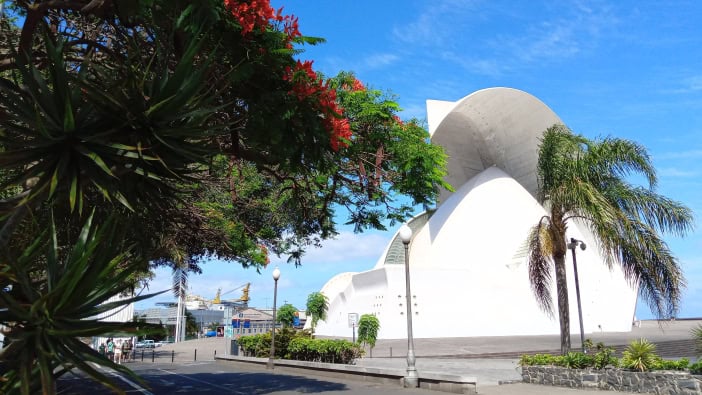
{"x":222,"y":378}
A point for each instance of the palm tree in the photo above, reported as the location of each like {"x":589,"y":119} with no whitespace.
{"x":317,"y":307}
{"x":587,"y":181}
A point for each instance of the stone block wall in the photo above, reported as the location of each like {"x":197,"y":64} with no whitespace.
{"x":658,"y":382}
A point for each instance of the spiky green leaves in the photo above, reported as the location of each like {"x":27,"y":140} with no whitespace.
{"x":52,"y":297}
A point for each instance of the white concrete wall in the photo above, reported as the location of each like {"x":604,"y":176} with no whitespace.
{"x":468,"y":264}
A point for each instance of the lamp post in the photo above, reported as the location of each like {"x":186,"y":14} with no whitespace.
{"x":574,"y":243}
{"x":276,"y":276}
{"x":412,"y":379}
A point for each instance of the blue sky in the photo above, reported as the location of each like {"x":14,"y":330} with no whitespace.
{"x":629,"y":69}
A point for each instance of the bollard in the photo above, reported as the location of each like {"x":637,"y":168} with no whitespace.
{"x":153,"y":355}
{"x":390,"y":352}
{"x":172,"y":355}
{"x":142,"y":355}
{"x":196,"y":354}
{"x":370,"y":351}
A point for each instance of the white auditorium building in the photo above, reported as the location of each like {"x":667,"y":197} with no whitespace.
{"x":468,"y":258}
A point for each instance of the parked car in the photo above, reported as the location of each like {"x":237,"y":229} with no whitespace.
{"x":147,"y":344}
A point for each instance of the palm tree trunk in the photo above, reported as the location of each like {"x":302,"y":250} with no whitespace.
{"x":563,"y":311}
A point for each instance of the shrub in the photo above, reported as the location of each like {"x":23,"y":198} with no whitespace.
{"x":696,"y":368}
{"x":256,"y":345}
{"x":299,"y":345}
{"x":541,"y":360}
{"x":603,"y":357}
{"x":665,"y":364}
{"x":639,"y":355}
{"x":697,"y":336}
{"x":577,"y":360}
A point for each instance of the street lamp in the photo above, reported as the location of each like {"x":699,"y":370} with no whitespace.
{"x":276,"y":276}
{"x":411,"y":380}
{"x":574,"y":243}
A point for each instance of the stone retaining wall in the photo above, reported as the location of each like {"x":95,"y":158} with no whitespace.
{"x":658,"y":382}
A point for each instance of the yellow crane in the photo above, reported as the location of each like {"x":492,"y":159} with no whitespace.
{"x":244,"y":294}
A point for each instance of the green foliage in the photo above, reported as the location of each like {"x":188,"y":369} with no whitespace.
{"x":324,"y":350}
{"x":286,"y":315}
{"x":603,"y":357}
{"x":45,"y":315}
{"x":665,"y":364}
{"x":589,"y":179}
{"x":256,"y":345}
{"x":577,"y":360}
{"x":300,"y":345}
{"x":639,"y":355}
{"x":541,"y":360}
{"x":368,"y":327}
{"x":574,"y":360}
{"x":696,"y":368}
{"x":191,"y":326}
{"x":697,"y":337}
{"x":317,"y":306}
{"x":188,"y":134}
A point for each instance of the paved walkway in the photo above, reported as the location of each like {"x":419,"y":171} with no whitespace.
{"x":477,"y":357}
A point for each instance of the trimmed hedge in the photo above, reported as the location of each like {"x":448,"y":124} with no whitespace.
{"x":299,"y":345}
{"x":603,"y":358}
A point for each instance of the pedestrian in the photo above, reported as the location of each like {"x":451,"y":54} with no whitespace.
{"x":110,"y":349}
{"x":118,"y":352}
{"x":101,"y":349}
{"x":127,"y":349}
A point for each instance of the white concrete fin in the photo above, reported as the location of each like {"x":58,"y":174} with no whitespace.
{"x":436,"y":112}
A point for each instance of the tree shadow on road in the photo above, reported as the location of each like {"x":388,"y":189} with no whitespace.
{"x":244,"y":383}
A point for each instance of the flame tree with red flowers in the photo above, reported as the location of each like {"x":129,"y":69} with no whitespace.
{"x":142,"y":133}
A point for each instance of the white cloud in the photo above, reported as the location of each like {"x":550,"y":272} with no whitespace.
{"x":348,"y":246}
{"x":676,"y":172}
{"x":688,"y":154}
{"x":379,"y":60}
{"x":347,"y":252}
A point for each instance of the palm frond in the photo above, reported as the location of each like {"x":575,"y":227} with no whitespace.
{"x":540,"y":264}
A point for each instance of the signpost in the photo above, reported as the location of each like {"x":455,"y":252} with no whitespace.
{"x":353,"y":320}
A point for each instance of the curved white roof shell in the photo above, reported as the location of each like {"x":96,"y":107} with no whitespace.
{"x":467,"y":259}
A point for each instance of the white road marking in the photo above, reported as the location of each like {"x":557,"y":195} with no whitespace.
{"x":134,"y":385}
{"x":126,"y":380}
{"x":197,"y":381}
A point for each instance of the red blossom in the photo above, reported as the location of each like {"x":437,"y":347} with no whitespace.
{"x":252,"y":14}
{"x":306,"y":84}
{"x":358,"y":85}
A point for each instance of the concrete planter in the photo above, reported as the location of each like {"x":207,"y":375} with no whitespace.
{"x":657,"y":382}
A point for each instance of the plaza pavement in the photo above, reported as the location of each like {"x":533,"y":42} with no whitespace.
{"x":493,"y":360}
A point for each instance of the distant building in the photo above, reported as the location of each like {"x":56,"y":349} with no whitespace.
{"x":121,"y":314}
{"x":468,"y":258}
{"x":243,"y":322}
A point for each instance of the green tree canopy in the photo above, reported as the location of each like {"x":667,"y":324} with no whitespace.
{"x":286,"y":315}
{"x":586,"y":181}
{"x":192,"y":128}
{"x":317,"y":307}
{"x":368,"y":327}
{"x":208,"y":137}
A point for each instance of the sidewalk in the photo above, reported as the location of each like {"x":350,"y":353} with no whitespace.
{"x":478,"y":357}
